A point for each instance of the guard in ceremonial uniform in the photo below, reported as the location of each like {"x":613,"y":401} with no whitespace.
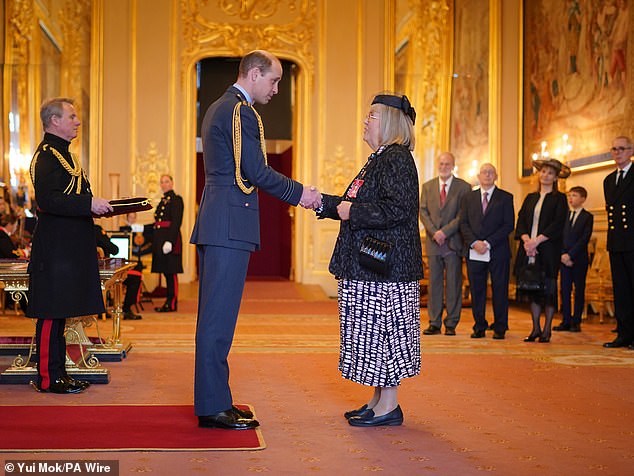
{"x":63,"y":270}
{"x":167,"y":245}
{"x":618,"y":190}
{"x":227,"y":228}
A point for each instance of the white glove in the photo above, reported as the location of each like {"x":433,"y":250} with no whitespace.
{"x":167,"y":248}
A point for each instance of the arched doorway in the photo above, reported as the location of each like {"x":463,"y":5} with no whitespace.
{"x":213,"y":76}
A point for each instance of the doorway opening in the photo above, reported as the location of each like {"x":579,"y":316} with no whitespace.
{"x":214,"y":76}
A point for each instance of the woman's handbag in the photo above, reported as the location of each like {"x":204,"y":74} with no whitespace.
{"x":530,"y":278}
{"x":375,"y":255}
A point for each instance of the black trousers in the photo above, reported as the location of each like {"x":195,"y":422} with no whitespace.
{"x":51,"y":351}
{"x":622,"y":267}
{"x":172,"y":290}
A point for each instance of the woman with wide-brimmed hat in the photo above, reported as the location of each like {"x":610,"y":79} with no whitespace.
{"x":540,"y":224}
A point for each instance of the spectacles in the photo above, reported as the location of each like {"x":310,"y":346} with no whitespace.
{"x":620,"y":149}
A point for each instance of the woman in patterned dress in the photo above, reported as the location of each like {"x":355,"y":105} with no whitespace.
{"x":380,"y":313}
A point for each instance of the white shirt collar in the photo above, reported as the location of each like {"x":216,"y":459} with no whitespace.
{"x":448,"y":182}
{"x":246,"y":95}
{"x":490,"y":192}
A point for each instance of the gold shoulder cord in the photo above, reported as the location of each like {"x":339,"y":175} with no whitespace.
{"x":237,"y":143}
{"x":75,"y":171}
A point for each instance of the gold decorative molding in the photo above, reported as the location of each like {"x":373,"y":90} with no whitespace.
{"x":292,"y":39}
{"x":424,"y":33}
{"x":148,"y":170}
{"x":250,"y":9}
{"x":337,"y":171}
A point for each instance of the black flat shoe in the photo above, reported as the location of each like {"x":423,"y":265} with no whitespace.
{"x":478,"y":334}
{"x":499,"y":335}
{"x":450,"y":331}
{"x":533,"y":337}
{"x":393,"y":418}
{"x":562,"y":327}
{"x":357,"y":412}
{"x":247,"y":414}
{"x":544,"y":339}
{"x":227,"y":420}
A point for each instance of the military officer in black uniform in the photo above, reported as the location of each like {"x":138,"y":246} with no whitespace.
{"x":618,"y":190}
{"x":167,"y":245}
{"x":63,"y":270}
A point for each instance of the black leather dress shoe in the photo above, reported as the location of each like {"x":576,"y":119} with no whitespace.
{"x":450,"y":331}
{"x":77,"y":383}
{"x":431,"y":330}
{"x":248,"y":414}
{"x":478,"y":334}
{"x":227,"y":420}
{"x":357,"y":412}
{"x":575,"y":328}
{"x":165,"y":308}
{"x":616,"y":343}
{"x":63,"y":385}
{"x":562,"y":327}
{"x":499,"y":335}
{"x":393,"y":418}
{"x":130,"y":316}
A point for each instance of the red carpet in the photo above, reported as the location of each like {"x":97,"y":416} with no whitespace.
{"x":115,"y":428}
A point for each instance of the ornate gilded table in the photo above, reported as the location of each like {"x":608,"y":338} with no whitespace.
{"x":83,"y":354}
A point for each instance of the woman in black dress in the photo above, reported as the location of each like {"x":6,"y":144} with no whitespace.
{"x":540,"y":224}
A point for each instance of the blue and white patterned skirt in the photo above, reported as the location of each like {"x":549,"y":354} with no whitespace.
{"x":380,"y":331}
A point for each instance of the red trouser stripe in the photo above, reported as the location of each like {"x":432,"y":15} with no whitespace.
{"x":173,"y":303}
{"x":44,"y":351}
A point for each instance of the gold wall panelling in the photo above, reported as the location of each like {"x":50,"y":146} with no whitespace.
{"x":288,"y":32}
{"x":147,"y":172}
{"x":337,"y":171}
{"x":423,"y":56}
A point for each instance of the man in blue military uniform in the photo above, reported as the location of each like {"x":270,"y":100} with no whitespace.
{"x":227,"y":228}
{"x":63,"y":270}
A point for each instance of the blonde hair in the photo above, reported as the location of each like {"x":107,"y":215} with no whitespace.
{"x":395,"y":127}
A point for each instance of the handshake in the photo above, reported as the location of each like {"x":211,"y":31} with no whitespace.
{"x":311,"y":198}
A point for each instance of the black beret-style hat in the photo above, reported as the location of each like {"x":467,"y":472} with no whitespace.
{"x":398,"y":102}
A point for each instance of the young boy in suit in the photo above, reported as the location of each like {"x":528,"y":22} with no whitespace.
{"x":574,"y":260}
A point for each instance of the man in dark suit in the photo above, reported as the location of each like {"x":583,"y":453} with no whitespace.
{"x":227,"y":228}
{"x":439,"y":209}
{"x":618,"y":190}
{"x":63,"y":269}
{"x":486,"y":221}
{"x":574,"y":259}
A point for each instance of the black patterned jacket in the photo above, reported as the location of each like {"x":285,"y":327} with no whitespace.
{"x":386,"y":208}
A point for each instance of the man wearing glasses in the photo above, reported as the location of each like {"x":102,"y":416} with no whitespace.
{"x":618,"y":190}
